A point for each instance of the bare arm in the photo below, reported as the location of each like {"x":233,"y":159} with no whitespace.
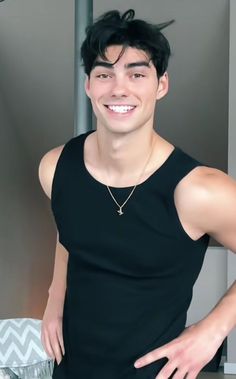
{"x":210,"y":206}
{"x":52,"y":335}
{"x":58,"y":286}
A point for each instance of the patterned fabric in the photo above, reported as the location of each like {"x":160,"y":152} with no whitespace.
{"x":21,"y":352}
{"x":7,"y":374}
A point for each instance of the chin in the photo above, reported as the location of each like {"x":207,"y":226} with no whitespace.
{"x":122,"y":131}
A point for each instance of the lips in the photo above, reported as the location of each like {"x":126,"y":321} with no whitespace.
{"x":120,"y":108}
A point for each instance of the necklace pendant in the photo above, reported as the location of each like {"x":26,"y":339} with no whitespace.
{"x":120,"y":212}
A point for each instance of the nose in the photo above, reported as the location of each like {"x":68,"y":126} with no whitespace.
{"x":119,"y":88}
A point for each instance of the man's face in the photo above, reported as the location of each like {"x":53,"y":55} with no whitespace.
{"x":124,"y":95}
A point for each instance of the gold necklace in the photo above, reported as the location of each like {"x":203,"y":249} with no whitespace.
{"x":120,"y":211}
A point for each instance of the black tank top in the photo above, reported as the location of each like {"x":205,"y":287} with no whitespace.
{"x":130,"y":277}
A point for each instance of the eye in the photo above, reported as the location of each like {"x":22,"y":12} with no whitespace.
{"x":102,"y":76}
{"x":138,"y":75}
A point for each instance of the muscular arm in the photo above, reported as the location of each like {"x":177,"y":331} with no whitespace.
{"x":52,"y":337}
{"x":206,"y":201}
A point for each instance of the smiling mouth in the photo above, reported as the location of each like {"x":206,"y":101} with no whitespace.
{"x":120,"y":108}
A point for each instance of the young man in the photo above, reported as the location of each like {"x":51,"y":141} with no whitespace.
{"x":134,"y":214}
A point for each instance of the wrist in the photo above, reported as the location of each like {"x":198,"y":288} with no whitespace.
{"x":216,"y":328}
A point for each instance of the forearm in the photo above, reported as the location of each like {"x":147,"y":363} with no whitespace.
{"x":197,"y":344}
{"x":58,"y":285}
{"x":222,"y":319}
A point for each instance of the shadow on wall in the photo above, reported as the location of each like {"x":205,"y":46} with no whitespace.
{"x":25,"y":230}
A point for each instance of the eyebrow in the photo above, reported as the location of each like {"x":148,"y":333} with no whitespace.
{"x":128,"y":65}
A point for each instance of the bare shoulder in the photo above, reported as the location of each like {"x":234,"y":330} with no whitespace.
{"x":201,"y":196}
{"x":205,"y":181}
{"x":47,"y":168}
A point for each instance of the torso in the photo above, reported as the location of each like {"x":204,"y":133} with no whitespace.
{"x":159,"y":157}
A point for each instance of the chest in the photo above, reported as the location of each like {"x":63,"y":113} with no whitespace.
{"x":143,"y":241}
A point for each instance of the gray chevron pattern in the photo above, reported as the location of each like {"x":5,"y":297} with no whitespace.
{"x":20,"y":343}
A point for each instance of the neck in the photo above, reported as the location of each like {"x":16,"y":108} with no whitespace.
{"x":123,"y":156}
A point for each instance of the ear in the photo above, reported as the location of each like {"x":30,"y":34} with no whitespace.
{"x":163,"y":86}
{"x":87,"y":86}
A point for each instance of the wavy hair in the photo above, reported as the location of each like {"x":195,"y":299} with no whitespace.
{"x":114,"y":28}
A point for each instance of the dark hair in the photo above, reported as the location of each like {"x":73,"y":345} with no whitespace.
{"x":112,"y":28}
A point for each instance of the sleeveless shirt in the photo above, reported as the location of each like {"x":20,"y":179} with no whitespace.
{"x":129,"y":277}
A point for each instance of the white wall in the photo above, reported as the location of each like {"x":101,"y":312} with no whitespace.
{"x":24,"y":227}
{"x":211,"y":284}
{"x":13,"y":168}
{"x":36,"y":114}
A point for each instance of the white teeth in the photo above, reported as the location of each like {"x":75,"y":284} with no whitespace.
{"x":120,"y":108}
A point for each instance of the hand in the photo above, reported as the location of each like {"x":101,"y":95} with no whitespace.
{"x":51,"y":331}
{"x":187,"y":354}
